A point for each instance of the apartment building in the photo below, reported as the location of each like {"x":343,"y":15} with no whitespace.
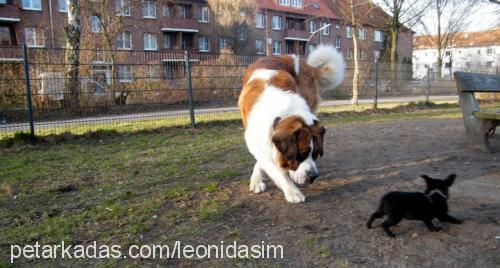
{"x":479,"y":51}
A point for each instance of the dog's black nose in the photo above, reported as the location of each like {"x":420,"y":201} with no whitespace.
{"x":312,"y":176}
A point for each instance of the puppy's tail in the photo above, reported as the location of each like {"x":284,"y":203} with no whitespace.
{"x":331,"y":64}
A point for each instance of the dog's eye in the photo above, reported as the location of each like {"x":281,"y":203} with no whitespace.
{"x":301,"y":156}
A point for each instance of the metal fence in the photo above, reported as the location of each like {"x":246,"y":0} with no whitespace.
{"x":127,"y":89}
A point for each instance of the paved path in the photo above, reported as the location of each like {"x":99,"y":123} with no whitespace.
{"x":183,"y":113}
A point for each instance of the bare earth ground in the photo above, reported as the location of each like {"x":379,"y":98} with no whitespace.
{"x":363,"y":162}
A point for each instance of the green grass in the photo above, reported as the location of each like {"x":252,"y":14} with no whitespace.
{"x":115,"y":187}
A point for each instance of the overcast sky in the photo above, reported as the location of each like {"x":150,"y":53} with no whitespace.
{"x":486,"y":16}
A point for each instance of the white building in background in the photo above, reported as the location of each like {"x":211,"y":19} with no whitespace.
{"x":470,"y":51}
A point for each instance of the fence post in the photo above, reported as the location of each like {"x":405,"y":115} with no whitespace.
{"x":28,"y":93}
{"x":375,"y":102}
{"x":190,"y":88}
{"x":428,"y":84}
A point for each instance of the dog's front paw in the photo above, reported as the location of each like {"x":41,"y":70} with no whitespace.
{"x":258,"y":187}
{"x":294,"y":196}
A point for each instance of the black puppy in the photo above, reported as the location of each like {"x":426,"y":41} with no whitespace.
{"x":416,"y":205}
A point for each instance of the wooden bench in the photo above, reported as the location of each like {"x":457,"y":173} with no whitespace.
{"x":480,"y":124}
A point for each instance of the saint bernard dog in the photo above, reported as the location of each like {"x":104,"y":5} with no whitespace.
{"x":277,"y":103}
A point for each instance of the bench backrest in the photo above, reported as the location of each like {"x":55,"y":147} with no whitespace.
{"x":475,"y":82}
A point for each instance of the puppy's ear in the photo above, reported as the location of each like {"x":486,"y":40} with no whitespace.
{"x":426,"y":178}
{"x":286,"y":143}
{"x":276,"y":122}
{"x":451,"y":178}
{"x":318,"y":132}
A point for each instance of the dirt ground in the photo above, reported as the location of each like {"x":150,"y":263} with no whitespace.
{"x":362,"y":162}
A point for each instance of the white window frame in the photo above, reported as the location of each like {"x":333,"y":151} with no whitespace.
{"x":242,"y":32}
{"x":224,"y":43}
{"x":167,"y":9}
{"x":490,"y":51}
{"x":121,"y":37}
{"x":297,"y":3}
{"x":93,"y":25}
{"x":326,"y":30}
{"x":311,"y":48}
{"x":276,"y":22}
{"x":348,"y":31}
{"x":313,"y":26}
{"x":65,"y":5}
{"x":34,"y":31}
{"x":277,"y":47}
{"x":126,"y":77}
{"x":123,"y":8}
{"x":260,"y":20}
{"x":31,"y":5}
{"x":338,"y":41}
{"x":153,"y":72}
{"x":260,"y":48}
{"x":150,"y":42}
{"x":203,"y":43}
{"x":349,"y":53}
{"x":204,"y":14}
{"x":362,"y":33}
{"x":146,"y":9}
{"x":377,"y":36}
{"x":284,"y":2}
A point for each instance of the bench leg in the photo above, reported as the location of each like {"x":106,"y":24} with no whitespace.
{"x":477,"y":132}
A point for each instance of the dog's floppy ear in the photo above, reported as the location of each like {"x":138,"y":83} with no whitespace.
{"x":276,"y":122}
{"x":451,"y":178}
{"x":318,"y":133}
{"x":286,"y":143}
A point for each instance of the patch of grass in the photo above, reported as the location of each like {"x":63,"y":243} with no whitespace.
{"x":210,"y":209}
{"x":324,"y":251}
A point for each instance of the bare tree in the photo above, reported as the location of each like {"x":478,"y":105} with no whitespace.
{"x":449,"y":18}
{"x":232,"y":20}
{"x":72,"y":57}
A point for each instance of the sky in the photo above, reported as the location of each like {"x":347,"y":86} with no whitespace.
{"x":486,"y":16}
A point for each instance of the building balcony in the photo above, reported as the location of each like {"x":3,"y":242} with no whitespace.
{"x":180,"y":25}
{"x":297,"y":35}
{"x":9,"y":13}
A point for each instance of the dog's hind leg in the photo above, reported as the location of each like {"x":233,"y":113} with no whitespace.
{"x":257,"y":184}
{"x":388,"y":223}
{"x":431,"y":226}
{"x":377,"y":214}
{"x":450,"y":219}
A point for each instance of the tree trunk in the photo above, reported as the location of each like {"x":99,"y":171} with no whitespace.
{"x":72,"y":57}
{"x":355,"y":75}
{"x":394,"y":57}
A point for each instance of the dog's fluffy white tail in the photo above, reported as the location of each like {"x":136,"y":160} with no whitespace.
{"x":331,"y":63}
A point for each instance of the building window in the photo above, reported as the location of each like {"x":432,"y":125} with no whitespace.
{"x":62,"y":5}
{"x":242,"y":32}
{"x":204,"y":14}
{"x":348,"y":30}
{"x":124,"y":40}
{"x":362,"y":33}
{"x":5,"y":36}
{"x":259,"y":20}
{"x":312,"y":26}
{"x":32,"y":4}
{"x":361,"y":53}
{"x":224,"y":43}
{"x":166,"y":11}
{"x":490,"y":51}
{"x":34,"y":37}
{"x":337,"y":26}
{"x":95,"y":24}
{"x":326,"y":29}
{"x":125,"y":73}
{"x":376,"y":55}
{"x":203,"y":44}
{"x":153,"y":72}
{"x":338,"y":41}
{"x":259,"y":45}
{"x":297,"y":3}
{"x":311,"y":48}
{"x":276,"y":23}
{"x":377,"y":36}
{"x":489,"y":64}
{"x":166,"y":41}
{"x":284,"y":2}
{"x":349,"y":54}
{"x":447,"y":53}
{"x":149,"y":9}
{"x":467,"y":65}
{"x":277,"y":47}
{"x":150,"y":42}
{"x":479,"y":52}
{"x":123,"y":7}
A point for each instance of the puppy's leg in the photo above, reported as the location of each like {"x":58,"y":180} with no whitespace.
{"x":450,"y":219}
{"x":431,"y":226}
{"x":388,"y":223}
{"x":377,"y":214}
{"x":257,"y":184}
{"x":292,"y":193}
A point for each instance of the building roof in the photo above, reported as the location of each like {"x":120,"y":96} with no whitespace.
{"x":316,"y":8}
{"x":466,"y":39}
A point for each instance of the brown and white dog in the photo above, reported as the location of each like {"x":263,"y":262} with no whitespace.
{"x":277,"y":104}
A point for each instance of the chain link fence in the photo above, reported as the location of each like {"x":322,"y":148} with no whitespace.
{"x":131,"y":90}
